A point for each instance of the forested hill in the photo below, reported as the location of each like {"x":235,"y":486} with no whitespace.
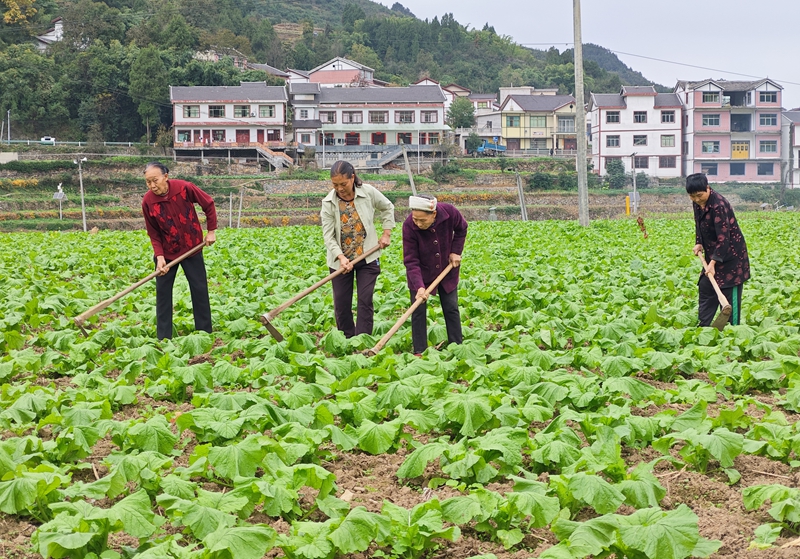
{"x":609,"y":61}
{"x":108,"y":78}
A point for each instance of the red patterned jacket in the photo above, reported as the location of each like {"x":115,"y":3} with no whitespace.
{"x":718,"y":231}
{"x":171,"y":220}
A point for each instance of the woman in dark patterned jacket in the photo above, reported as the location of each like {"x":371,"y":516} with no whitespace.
{"x":717,"y":234}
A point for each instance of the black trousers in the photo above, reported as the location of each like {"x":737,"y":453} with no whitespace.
{"x":365,"y":274}
{"x":194,"y":269}
{"x":708,"y":302}
{"x":452,"y":320}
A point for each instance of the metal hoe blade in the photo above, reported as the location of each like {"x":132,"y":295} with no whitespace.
{"x":270,"y":328}
{"x":722,"y":318}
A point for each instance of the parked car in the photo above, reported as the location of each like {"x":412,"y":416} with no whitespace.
{"x":48,"y":140}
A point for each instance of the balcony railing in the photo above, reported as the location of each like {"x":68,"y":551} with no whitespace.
{"x":231,"y":145}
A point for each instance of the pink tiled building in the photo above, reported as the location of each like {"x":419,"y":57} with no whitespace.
{"x":732,"y":129}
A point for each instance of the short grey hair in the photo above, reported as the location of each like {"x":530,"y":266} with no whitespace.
{"x":157,"y":164}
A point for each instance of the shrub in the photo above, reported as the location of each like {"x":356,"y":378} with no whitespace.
{"x":540,"y":181}
{"x":615,"y":170}
{"x":567,"y":181}
{"x":642,"y":180}
{"x":445,"y":172}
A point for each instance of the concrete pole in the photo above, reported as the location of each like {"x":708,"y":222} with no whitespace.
{"x":580,"y":120}
{"x":83,"y":206}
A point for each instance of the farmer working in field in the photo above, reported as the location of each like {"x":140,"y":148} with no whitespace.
{"x":174,"y":228}
{"x":433,"y":237}
{"x":348,"y":227}
{"x":717,"y":234}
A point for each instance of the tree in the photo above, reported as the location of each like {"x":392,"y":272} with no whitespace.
{"x":615,"y":171}
{"x":472,"y":142}
{"x":148,"y":85}
{"x":366,"y":56}
{"x":164,"y":138}
{"x":540,"y":181}
{"x":350,"y":15}
{"x":18,"y":11}
{"x":461,"y":113}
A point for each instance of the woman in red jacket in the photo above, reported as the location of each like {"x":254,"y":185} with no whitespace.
{"x":174,"y":228}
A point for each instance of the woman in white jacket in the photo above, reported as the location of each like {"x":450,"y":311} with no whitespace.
{"x":348,"y":226}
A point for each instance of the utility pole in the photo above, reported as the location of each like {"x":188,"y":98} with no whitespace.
{"x":580,"y":120}
{"x":9,"y":126}
{"x":80,"y":178}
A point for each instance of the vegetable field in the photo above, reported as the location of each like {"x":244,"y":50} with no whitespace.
{"x":584,"y":416}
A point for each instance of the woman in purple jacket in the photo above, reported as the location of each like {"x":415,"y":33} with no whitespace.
{"x":433,"y":237}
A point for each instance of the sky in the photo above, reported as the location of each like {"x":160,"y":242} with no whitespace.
{"x":733,"y":40}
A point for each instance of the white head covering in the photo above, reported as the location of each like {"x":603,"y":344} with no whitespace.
{"x":420,"y":203}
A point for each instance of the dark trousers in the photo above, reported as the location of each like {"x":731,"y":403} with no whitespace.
{"x":365,"y":274}
{"x":452,"y":320}
{"x":194,"y":269}
{"x":708,"y":302}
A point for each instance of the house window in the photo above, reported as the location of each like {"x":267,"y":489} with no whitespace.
{"x":488,"y":124}
{"x":512,"y":121}
{"x":765,"y":169}
{"x":218,"y":135}
{"x":768,"y":97}
{"x":640,"y":140}
{"x":685,"y":148}
{"x":352,"y":117}
{"x":737,"y":169}
{"x":566,"y":124}
{"x":640,"y":116}
{"x":433,"y":138}
{"x":708,"y":168}
{"x":429,"y":116}
{"x":711,"y":120}
{"x":378,"y":117}
{"x":482,"y":105}
{"x":667,"y":162}
{"x":327,"y":117}
{"x":303,"y":114}
{"x":769,"y":119}
{"x":404,"y":117}
{"x":609,"y":159}
{"x":668,"y":141}
{"x":184,"y":135}
{"x":305,"y":138}
{"x":667,"y":116}
{"x":711,"y":97}
{"x":191,"y":111}
{"x":710,"y":147}
{"x":266,"y":111}
{"x":404,"y":137}
{"x":768,"y":146}
{"x":216,"y":111}
{"x":241,"y":111}
{"x":538,"y":122}
{"x":612,"y":141}
{"x":641,"y":162}
{"x":612,"y":117}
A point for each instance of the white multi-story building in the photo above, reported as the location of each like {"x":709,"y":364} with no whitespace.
{"x":379,"y":115}
{"x":790,"y":143}
{"x":640,"y":127}
{"x":245,"y":115}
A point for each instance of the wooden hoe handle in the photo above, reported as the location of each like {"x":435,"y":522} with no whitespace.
{"x":723,"y":301}
{"x":280,"y":308}
{"x":81,"y":318}
{"x":393,"y":330}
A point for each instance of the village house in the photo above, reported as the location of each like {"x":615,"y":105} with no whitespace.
{"x":790,"y":143}
{"x":537,"y":119}
{"x":52,"y":35}
{"x":338,"y":72}
{"x":639,"y":127}
{"x":732,"y":129}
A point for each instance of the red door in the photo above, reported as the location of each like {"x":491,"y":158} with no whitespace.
{"x":198,"y":136}
{"x":570,"y":143}
{"x":352,"y":139}
{"x":378,"y":138}
{"x":260,"y":136}
{"x":207,"y":137}
{"x":513,"y":143}
{"x":242,"y":136}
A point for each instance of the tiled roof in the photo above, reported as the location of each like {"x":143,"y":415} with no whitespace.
{"x":491,"y":96}
{"x":413,"y":94}
{"x":541,"y":102}
{"x":307,"y":124}
{"x":608,"y":100}
{"x":793,"y":116}
{"x":299,"y":72}
{"x":668,"y":100}
{"x":247,"y":91}
{"x":638,"y":90}
{"x":269,"y":70}
{"x":304,"y":88}
{"x":344,"y":60}
{"x":727,"y":85}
